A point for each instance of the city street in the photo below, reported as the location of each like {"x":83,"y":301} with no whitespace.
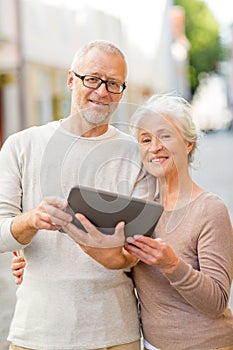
{"x":215,"y":173}
{"x":215,"y":167}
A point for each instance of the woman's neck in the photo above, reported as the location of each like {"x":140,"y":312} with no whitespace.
{"x":177,"y":192}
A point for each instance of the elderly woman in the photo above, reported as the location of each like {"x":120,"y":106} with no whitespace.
{"x":183,"y":277}
{"x":185,"y":271}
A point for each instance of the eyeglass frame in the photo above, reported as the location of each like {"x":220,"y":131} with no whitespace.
{"x":102,"y":81}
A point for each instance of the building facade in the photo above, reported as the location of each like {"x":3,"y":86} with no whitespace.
{"x":38,"y":41}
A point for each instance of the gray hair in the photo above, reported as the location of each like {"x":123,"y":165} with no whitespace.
{"x":175,"y":107}
{"x":103,"y":45}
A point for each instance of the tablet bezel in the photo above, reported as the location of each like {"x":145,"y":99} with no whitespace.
{"x":101,"y":208}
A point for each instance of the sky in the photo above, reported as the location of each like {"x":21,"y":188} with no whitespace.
{"x":222,"y":10}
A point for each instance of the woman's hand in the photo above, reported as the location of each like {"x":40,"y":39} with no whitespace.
{"x":153,"y":252}
{"x":17,"y":266}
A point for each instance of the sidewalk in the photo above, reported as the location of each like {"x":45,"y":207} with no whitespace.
{"x":4,"y":346}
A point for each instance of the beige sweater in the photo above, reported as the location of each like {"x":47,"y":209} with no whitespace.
{"x":67,"y":300}
{"x":188,"y":309}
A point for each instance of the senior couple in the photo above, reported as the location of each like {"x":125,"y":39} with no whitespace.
{"x":75,"y":293}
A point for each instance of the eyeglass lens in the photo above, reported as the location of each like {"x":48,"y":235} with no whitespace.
{"x":111,"y":85}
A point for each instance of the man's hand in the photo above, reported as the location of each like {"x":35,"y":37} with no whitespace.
{"x":93,"y":237}
{"x":108,"y":250}
{"x":49,"y":215}
{"x":17,"y":267}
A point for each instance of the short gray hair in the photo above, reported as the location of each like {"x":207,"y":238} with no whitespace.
{"x":103,"y":45}
{"x":174,"y":106}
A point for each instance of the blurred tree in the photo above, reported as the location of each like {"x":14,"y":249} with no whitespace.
{"x":203,"y":33}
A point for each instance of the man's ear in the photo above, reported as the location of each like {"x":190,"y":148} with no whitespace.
{"x":70,"y":79}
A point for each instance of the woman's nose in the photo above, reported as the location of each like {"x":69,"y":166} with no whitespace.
{"x":156,"y":145}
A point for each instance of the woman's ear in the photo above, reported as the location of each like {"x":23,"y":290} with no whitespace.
{"x":189,"y":146}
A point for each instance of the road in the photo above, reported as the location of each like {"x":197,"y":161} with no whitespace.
{"x":215,"y":173}
{"x":215,"y":169}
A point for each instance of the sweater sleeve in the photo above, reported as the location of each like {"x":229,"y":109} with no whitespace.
{"x":208,"y":288}
{"x":10,"y":194}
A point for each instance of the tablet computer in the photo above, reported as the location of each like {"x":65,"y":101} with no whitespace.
{"x":105,"y":209}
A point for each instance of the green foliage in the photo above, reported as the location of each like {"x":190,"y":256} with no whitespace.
{"x":203,"y":33}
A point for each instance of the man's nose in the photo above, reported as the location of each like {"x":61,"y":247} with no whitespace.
{"x":102,"y":89}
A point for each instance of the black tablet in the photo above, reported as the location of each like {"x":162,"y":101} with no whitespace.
{"x":105,"y":209}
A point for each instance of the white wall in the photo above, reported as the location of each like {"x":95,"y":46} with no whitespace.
{"x":51,"y":35}
{"x":11,"y":120}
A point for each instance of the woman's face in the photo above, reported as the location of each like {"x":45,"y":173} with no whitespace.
{"x":163,"y":149}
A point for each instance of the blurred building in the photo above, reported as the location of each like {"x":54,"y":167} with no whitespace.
{"x":213,"y":99}
{"x":180,"y":51}
{"x":210,"y":103}
{"x":9,"y":63}
{"x":38,"y":41}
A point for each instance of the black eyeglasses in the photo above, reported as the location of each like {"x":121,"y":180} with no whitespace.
{"x":93,"y":82}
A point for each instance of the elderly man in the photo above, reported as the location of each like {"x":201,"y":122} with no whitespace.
{"x":67,"y":300}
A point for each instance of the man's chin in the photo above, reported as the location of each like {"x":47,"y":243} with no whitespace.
{"x":97,"y":120}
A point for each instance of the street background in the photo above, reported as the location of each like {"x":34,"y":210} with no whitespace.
{"x":215,"y":173}
{"x":33,"y":76}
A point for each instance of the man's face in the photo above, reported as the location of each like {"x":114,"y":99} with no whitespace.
{"x":96,"y":106}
